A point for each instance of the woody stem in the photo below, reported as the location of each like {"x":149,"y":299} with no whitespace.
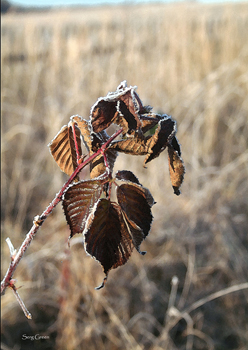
{"x":38,"y":221}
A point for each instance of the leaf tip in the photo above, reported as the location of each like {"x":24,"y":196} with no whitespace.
{"x":176,"y":190}
{"x":102,"y":284}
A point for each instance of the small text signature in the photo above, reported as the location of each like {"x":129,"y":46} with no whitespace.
{"x":34,"y":337}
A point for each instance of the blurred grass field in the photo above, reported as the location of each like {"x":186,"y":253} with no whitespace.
{"x":188,"y":60}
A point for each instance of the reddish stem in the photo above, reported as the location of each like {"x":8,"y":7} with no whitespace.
{"x":75,"y":142}
{"x":106,"y":162}
{"x":38,"y":221}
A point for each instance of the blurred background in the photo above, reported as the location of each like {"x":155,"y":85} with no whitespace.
{"x":189,"y":60}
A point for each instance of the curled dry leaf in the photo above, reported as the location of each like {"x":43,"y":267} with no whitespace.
{"x":149,"y":121}
{"x":93,"y":142}
{"x":135,"y":232}
{"x":106,"y":236}
{"x":175,"y":144}
{"x":84,"y":127}
{"x":121,"y":107}
{"x":162,"y":137}
{"x":78,"y":201}
{"x":129,"y":106}
{"x":133,"y":145}
{"x":126,"y":119}
{"x":136,"y":202}
{"x":103,"y":114}
{"x":64,"y":148}
{"x":126,"y":175}
{"x":98,"y":166}
{"x":176,"y":169}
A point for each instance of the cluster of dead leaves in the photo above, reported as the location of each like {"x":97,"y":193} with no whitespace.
{"x":112,"y":230}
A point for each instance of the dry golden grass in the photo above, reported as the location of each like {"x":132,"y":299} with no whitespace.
{"x":188,"y":60}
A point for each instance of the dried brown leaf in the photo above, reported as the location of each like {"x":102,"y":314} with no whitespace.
{"x":106,"y":236}
{"x":103,"y":114}
{"x":78,"y":200}
{"x":176,"y":168}
{"x":149,"y":121}
{"x":84,"y":127}
{"x":97,"y":166}
{"x":135,"y":232}
{"x":136,"y":202}
{"x":162,"y":137}
{"x":175,"y":144}
{"x":133,"y":145}
{"x":128,"y":110}
{"x":126,"y":175}
{"x":63,"y":149}
{"x":121,"y":107}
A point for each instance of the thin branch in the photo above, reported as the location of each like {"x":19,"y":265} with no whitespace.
{"x":184,"y":313}
{"x":174,"y":315}
{"x":38,"y":220}
{"x":11,"y":248}
{"x":188,"y":279}
{"x":172,"y":298}
{"x":232,"y":289}
{"x":20,"y":301}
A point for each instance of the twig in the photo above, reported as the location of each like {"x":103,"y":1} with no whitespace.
{"x":188,"y":279}
{"x":184,"y":313}
{"x":20,"y":301}
{"x":128,"y":339}
{"x":11,"y":248}
{"x":173,"y":294}
{"x":174,"y":315}
{"x":199,"y":334}
{"x":11,"y":283}
{"x":38,"y":220}
{"x":232,"y":289}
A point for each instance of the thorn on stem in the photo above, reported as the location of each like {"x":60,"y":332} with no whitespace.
{"x":37,"y":221}
{"x":81,"y":159}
